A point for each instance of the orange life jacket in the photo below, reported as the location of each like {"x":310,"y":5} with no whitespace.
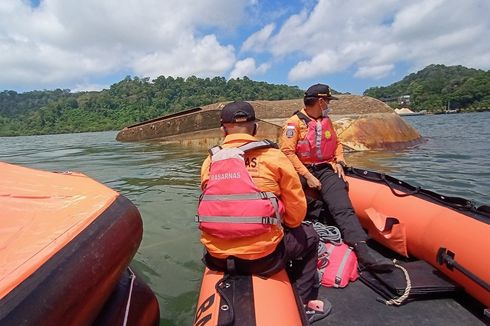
{"x":320,"y":142}
{"x":231,"y":205}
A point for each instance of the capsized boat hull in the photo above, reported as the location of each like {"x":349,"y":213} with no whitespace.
{"x":361,"y":122}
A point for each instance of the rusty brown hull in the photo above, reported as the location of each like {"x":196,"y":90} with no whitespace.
{"x":363,"y":123}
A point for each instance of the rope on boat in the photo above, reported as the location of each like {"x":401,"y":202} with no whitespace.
{"x":328,"y":233}
{"x":128,"y":304}
{"x":398,"y":301}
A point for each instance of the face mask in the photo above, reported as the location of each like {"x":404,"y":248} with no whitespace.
{"x":326,"y":111}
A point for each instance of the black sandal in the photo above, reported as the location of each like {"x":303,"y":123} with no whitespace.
{"x":315,"y":312}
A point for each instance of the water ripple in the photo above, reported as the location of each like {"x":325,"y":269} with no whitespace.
{"x":163,"y":181}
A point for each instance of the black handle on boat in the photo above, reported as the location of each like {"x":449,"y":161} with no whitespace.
{"x":409,"y":193}
{"x":461,"y":204}
{"x":445,"y":256}
{"x":383,"y":178}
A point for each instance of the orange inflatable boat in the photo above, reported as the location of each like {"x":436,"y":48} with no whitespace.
{"x":65,"y":243}
{"x":450,"y":233}
{"x":422,"y":228}
{"x":247,"y":300}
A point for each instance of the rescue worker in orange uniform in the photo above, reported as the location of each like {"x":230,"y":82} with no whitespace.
{"x":293,"y":241}
{"x":311,"y":144}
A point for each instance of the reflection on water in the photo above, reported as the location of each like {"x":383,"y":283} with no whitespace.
{"x":163,"y":181}
{"x":371,"y":160}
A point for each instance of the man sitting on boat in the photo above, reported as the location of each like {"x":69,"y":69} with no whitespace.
{"x":311,"y":144}
{"x":252,"y":208}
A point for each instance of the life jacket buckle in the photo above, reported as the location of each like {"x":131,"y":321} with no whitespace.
{"x":263,"y":195}
{"x":266,"y":220}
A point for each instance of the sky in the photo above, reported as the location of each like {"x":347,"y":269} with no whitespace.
{"x":349,"y":44}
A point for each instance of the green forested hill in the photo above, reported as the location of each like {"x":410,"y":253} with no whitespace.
{"x":136,"y":99}
{"x":130,"y":101}
{"x":436,"y":86}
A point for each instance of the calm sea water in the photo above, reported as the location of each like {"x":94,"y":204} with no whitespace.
{"x":163,"y":182}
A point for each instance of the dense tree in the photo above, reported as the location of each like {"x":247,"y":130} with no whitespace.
{"x":438,"y":87}
{"x":135,"y":99}
{"x":127,"y":102}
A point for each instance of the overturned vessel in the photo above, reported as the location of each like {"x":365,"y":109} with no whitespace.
{"x":362,"y":123}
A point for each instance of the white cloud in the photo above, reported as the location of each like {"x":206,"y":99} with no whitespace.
{"x":325,"y":63}
{"x":247,"y":67}
{"x":72,"y":42}
{"x":66,"y":41}
{"x":202,"y":58}
{"x":375,"y":72}
{"x":374,"y":36}
{"x":87,"y":87}
{"x":258,"y":40}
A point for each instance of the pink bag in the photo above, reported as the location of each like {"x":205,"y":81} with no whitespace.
{"x":337,"y":265}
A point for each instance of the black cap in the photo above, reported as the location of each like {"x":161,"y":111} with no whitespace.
{"x":236,"y":112}
{"x":320,"y":90}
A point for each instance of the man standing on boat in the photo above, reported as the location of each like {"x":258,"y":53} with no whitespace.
{"x":252,"y":208}
{"x":311,"y":144}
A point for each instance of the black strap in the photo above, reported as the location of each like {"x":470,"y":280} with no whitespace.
{"x":226,"y":316}
{"x":303,"y":117}
{"x":230,"y":265}
{"x":215,"y":149}
{"x":259,"y":144}
{"x":484,"y":210}
{"x":266,"y":143}
{"x":237,"y":300}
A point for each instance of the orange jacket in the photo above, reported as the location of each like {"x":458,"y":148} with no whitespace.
{"x":289,"y":139}
{"x":271,"y":171}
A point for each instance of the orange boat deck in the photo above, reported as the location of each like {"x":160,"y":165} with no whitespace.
{"x":65,"y":241}
{"x":41,"y":212}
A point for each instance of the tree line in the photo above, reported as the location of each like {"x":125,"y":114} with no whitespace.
{"x":439,"y":87}
{"x":135,"y":99}
{"x":127,"y":102}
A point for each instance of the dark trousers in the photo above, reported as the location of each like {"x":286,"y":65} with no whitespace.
{"x":336,"y":199}
{"x":297,"y":252}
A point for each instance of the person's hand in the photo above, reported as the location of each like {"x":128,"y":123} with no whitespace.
{"x":313,"y":182}
{"x":339,"y":169}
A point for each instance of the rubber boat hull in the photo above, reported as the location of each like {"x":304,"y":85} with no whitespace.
{"x":429,"y":221}
{"x":67,"y":240}
{"x":254,"y":301}
{"x":73,"y":285}
{"x":132,"y":302}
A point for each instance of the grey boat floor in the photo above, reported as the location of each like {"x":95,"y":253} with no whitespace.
{"x":356,"y":304}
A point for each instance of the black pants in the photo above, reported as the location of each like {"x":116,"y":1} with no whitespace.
{"x":297,"y":252}
{"x":336,"y":199}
